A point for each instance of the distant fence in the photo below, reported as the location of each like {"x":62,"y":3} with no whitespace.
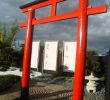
{"x":53,"y":56}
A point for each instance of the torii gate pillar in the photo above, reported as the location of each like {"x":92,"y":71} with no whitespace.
{"x":82,"y":13}
{"x":27,"y":57}
{"x":81,"y":51}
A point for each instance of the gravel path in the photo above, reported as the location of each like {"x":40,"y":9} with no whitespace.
{"x":46,"y":87}
{"x":68,"y":83}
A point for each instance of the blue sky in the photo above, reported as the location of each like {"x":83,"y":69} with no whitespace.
{"x":98,"y":27}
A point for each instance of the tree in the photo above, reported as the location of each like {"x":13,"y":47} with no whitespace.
{"x":89,"y":61}
{"x":7,"y":37}
{"x":13,"y":32}
{"x":93,"y":66}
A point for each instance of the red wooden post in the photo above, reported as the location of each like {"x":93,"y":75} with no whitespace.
{"x":53,"y":10}
{"x":81,"y":51}
{"x":27,"y":57}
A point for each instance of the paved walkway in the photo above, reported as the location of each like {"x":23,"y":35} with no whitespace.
{"x":39,"y":91}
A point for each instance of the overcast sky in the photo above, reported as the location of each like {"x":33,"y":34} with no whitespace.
{"x":98,"y":30}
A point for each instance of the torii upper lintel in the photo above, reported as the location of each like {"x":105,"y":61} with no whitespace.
{"x":32,"y":3}
{"x":38,"y":4}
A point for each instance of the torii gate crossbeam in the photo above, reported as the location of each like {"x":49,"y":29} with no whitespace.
{"x":69,"y":15}
{"x":82,"y":14}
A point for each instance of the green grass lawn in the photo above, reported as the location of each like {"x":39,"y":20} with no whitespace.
{"x":6,"y":81}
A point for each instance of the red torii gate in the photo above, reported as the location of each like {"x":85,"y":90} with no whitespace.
{"x":82,"y":13}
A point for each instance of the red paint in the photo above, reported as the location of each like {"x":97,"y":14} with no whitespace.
{"x":27,"y":50}
{"x":81,"y":52}
{"x":43,"y":4}
{"x":74,"y":14}
{"x":82,"y":12}
{"x":53,"y":10}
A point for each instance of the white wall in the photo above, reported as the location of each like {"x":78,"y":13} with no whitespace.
{"x":50,"y":55}
{"x":35,"y":54}
{"x":69,"y":56}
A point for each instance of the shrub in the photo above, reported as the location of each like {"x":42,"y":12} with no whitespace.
{"x":57,"y":73}
{"x":4,"y":65}
{"x":98,"y":69}
{"x":7,"y":81}
{"x":13,"y":64}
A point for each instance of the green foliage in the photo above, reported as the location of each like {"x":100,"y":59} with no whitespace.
{"x":1,"y":32}
{"x":98,"y":69}
{"x":7,"y":81}
{"x":8,"y":55}
{"x":56,"y":73}
{"x":4,"y":65}
{"x":91,"y":52}
{"x":93,"y":66}
{"x":102,"y":78}
{"x":18,"y":98}
{"x":89,"y":62}
{"x":13,"y":64}
{"x":13,"y":31}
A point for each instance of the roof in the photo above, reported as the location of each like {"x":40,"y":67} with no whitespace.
{"x":32,"y":3}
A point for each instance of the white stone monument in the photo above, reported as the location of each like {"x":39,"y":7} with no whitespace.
{"x":92,"y":84}
{"x":35,"y":54}
{"x":69,"y":57}
{"x":50,"y":55}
